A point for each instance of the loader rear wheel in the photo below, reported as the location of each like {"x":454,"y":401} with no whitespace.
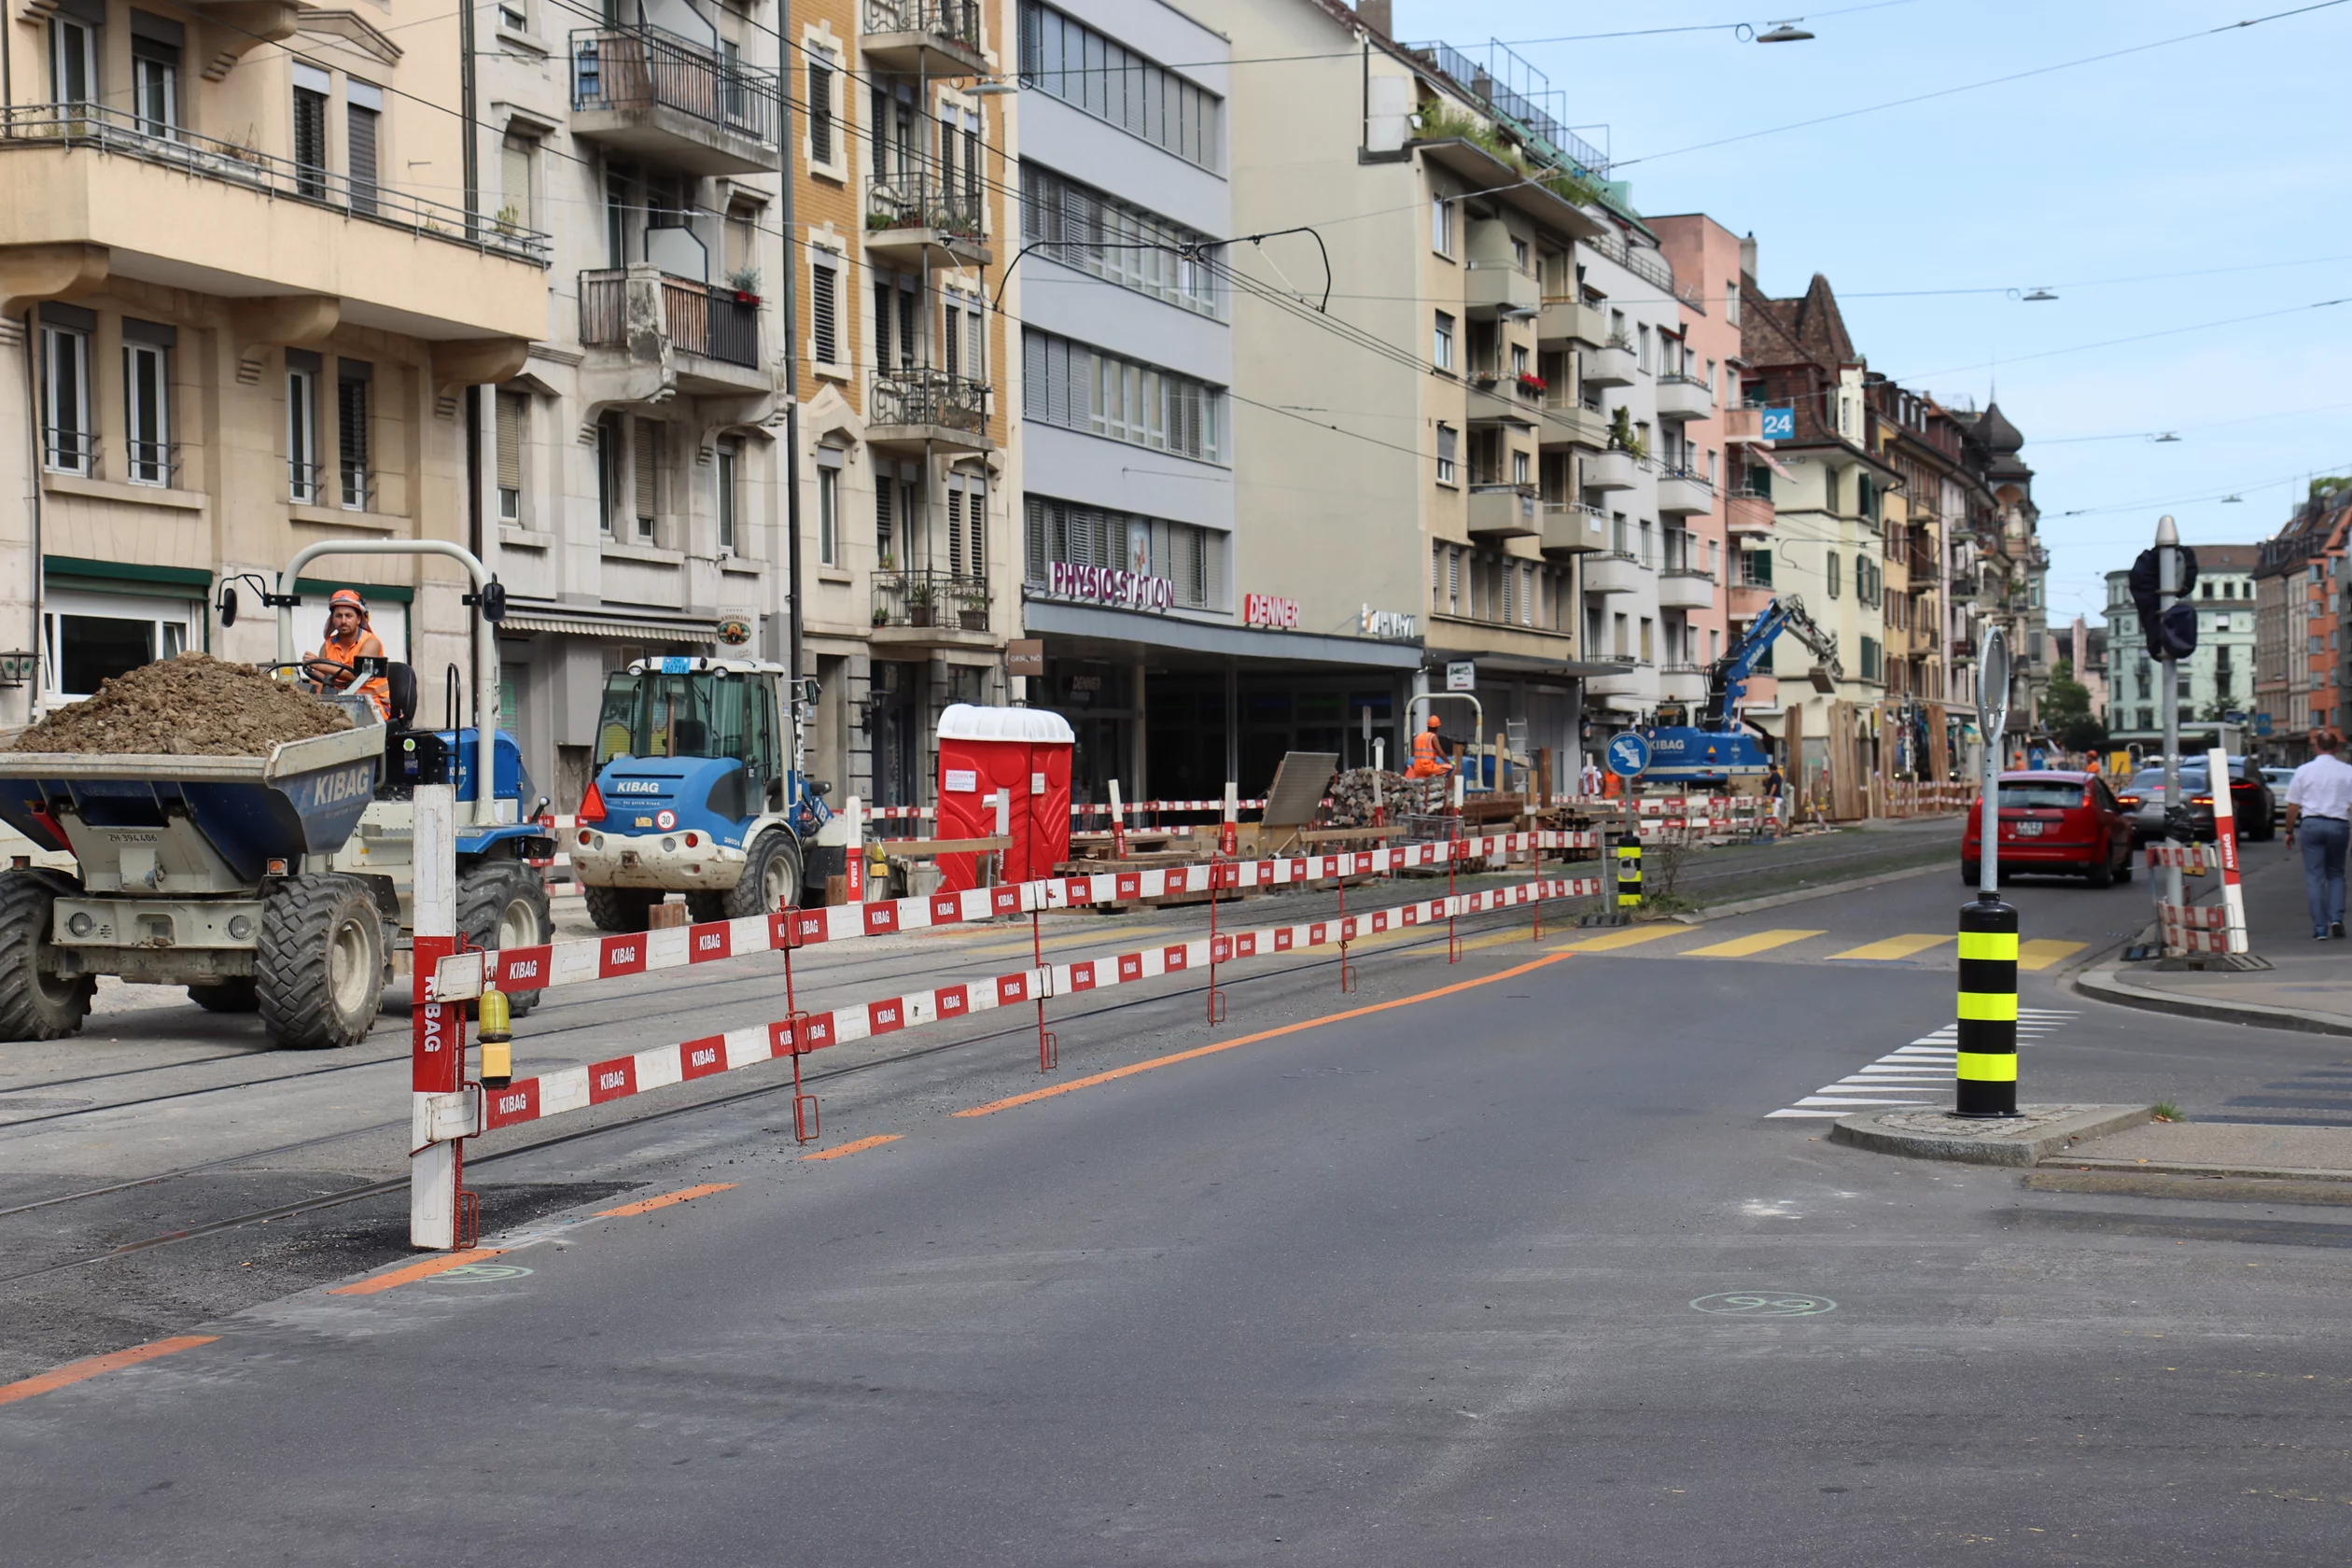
{"x":226,"y":996}
{"x":35,"y":1003}
{"x":319,"y":968}
{"x":504,"y":904}
{"x":620,"y":909}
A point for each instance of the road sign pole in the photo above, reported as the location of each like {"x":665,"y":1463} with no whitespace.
{"x":2167,"y":595}
{"x":1987,"y":1012}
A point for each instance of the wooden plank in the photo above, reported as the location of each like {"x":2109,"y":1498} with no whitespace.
{"x":926,"y":849}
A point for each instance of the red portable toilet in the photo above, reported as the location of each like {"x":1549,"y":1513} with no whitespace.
{"x":1023,"y":751}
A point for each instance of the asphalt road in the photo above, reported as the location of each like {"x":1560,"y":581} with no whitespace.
{"x":1526,"y":1271}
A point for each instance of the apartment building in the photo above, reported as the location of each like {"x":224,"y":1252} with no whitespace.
{"x":1923,"y":445}
{"x":905,"y":205}
{"x":1151,"y":647}
{"x":2299,"y":631}
{"x":243,"y":308}
{"x":1997,"y":552}
{"x":2214,"y":681}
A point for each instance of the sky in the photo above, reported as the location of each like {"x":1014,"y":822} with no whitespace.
{"x":2222,"y":152}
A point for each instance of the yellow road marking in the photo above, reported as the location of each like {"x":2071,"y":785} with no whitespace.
{"x":1895,"y":947}
{"x":647,"y":1205}
{"x":78,"y":1371}
{"x":376,"y":1283}
{"x":1755,"y":942}
{"x":1623,"y":936}
{"x":861,"y":1144}
{"x":2045,"y":951}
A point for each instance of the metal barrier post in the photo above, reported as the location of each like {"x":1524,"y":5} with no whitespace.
{"x":1453,"y":860}
{"x":1629,"y":875}
{"x":437,"y":1037}
{"x":2218,"y":784}
{"x":1118,"y":825}
{"x":1987,"y":1066}
{"x":1048,"y":1049}
{"x":1347,"y":970}
{"x":855,"y":869}
{"x":807,"y":1121}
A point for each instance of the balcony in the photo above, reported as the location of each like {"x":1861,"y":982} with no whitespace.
{"x":1614,"y":572}
{"x":924,"y":38}
{"x":1747,"y":513}
{"x":1570,"y":323}
{"x":1498,"y":288}
{"x":1748,"y":599}
{"x":1683,"y":683}
{"x":1634,"y":680}
{"x":115,"y":201}
{"x":1613,"y":469}
{"x":1567,"y":423}
{"x":1743,"y":421}
{"x":918,"y":220}
{"x":652,"y":96}
{"x":930,"y":609}
{"x":1683,"y":494}
{"x":1573,"y":529}
{"x":1496,"y":400}
{"x":917,"y":408}
{"x":1501,"y":512}
{"x":1685,"y":588}
{"x":1612,"y":364}
{"x":693,"y":337}
{"x":1684,"y":396}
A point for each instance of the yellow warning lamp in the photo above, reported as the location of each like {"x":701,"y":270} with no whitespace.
{"x":498,"y":1054}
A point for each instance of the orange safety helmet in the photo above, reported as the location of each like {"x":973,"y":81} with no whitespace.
{"x":1432,"y":722}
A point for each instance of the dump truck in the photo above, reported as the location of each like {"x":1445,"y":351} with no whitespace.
{"x":278,"y":884}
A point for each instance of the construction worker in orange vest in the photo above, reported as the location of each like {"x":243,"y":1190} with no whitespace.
{"x":1429,"y":755}
{"x":347,"y":640}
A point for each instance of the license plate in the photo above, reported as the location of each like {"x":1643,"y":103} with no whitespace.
{"x":2029,"y":830}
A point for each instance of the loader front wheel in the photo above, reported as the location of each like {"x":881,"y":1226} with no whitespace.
{"x":36,"y":1003}
{"x":319,"y":968}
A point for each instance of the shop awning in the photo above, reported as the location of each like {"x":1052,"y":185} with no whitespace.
{"x":598,"y":626}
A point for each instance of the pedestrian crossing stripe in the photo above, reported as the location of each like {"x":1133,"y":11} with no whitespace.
{"x":2043,"y":952}
{"x":1624,"y":936}
{"x":1894,"y":946}
{"x":1755,"y":942}
{"x":1916,"y":1074}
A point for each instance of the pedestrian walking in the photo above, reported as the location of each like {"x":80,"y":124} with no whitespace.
{"x":1776,"y":793}
{"x":2320,"y":812}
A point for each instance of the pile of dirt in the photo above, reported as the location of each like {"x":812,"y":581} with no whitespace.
{"x":194,"y":706}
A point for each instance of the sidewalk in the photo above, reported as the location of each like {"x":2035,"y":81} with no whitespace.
{"x":2308,"y":986}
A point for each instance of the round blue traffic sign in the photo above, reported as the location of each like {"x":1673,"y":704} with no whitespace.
{"x":1628,"y":755}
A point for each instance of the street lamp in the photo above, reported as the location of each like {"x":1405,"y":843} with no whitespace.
{"x":1784,"y":33}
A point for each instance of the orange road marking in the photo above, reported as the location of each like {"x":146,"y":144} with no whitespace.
{"x":996,"y":1105}
{"x":646,"y":1205}
{"x":76,"y":1371}
{"x":375,"y":1284}
{"x":874,"y":1142}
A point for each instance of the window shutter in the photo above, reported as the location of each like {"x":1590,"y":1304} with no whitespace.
{"x":820,"y":142}
{"x":513,"y":408}
{"x":954,"y":530}
{"x":975,"y":345}
{"x":1034,"y":520}
{"x":360,"y":146}
{"x":648,"y":467}
{"x":1034,"y":348}
{"x":951,"y":341}
{"x":824,"y":323}
{"x":882,"y":357}
{"x":976,"y":526}
{"x":882,"y":515}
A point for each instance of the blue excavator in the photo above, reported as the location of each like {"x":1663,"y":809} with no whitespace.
{"x":1718,"y":749}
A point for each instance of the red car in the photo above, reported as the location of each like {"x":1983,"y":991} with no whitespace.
{"x":2067,"y":823}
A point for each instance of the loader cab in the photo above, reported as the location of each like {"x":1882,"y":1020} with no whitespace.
{"x":691,"y":708}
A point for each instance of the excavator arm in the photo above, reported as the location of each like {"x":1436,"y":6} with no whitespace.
{"x":1727,"y":682}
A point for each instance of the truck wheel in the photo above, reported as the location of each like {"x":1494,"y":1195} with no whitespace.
{"x":35,"y":1003}
{"x":503,"y":905}
{"x":771,"y":877}
{"x":227,"y":996}
{"x":620,"y":909}
{"x":319,"y":968}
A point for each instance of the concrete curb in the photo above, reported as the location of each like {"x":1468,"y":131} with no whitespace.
{"x":1979,"y":1142}
{"x":2195,"y":1167}
{"x":1774,"y":900}
{"x":2107,"y":984}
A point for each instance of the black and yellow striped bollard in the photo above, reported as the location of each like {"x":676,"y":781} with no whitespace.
{"x":1987,"y":1067}
{"x":1629,"y":876}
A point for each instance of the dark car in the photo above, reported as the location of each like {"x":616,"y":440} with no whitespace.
{"x":2067,"y":823}
{"x":2251,"y":800}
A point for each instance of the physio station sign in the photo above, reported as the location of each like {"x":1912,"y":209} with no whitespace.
{"x":1111,"y":585}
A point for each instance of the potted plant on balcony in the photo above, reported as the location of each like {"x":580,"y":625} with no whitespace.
{"x":1623,"y":437}
{"x":971,"y":612}
{"x":744,"y":281}
{"x":1532,"y":386}
{"x":922,"y":604}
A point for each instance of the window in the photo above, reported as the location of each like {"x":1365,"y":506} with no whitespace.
{"x":304,"y":480}
{"x":967,"y":525}
{"x":824,"y":307}
{"x":310,"y":131}
{"x":351,"y":377}
{"x":1083,"y":69}
{"x":1519,"y":468}
{"x":69,"y":441}
{"x":884,"y":536}
{"x":1193,"y":558}
{"x":89,"y":638}
{"x":1448,"y":438}
{"x":146,"y":398}
{"x":894,"y":325}
{"x":517,"y":155}
{"x":1831,"y":564}
{"x":1441,"y":353}
{"x":514,"y":419}
{"x":363,"y":114}
{"x":1081,"y":389}
{"x":1440,"y":223}
{"x":821,"y":108}
{"x":727,"y":461}
{"x":1117,"y":241}
{"x":609,"y":473}
{"x":155,"y":59}
{"x":73,"y":61}
{"x":1872,"y":665}
{"x":1731,"y":302}
{"x":645,"y":472}
{"x":514,"y":15}
{"x":827,"y":508}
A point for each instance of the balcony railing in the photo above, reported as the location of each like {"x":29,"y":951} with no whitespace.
{"x":956,"y":21}
{"x":119,"y":132}
{"x":931,"y":598}
{"x":923,"y":201}
{"x":698,"y":317}
{"x":921,"y":396}
{"x":629,"y":68}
